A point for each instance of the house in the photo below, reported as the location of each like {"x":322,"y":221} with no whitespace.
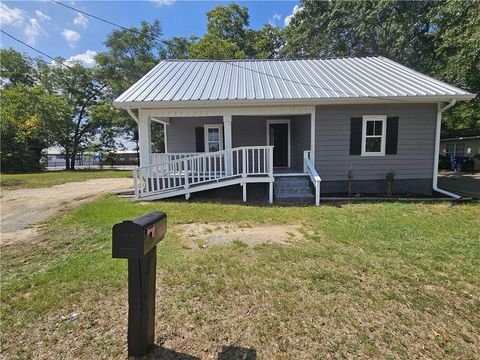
{"x":297,"y":126}
{"x":464,"y":142}
{"x":461,"y":143}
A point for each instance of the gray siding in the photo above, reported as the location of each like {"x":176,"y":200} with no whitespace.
{"x":246,"y":131}
{"x":416,"y":136}
{"x":181,"y":132}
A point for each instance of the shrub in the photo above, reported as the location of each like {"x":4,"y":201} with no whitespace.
{"x":390,"y":178}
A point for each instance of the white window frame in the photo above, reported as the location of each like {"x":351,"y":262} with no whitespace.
{"x":365,"y":119}
{"x":455,"y":148}
{"x":205,"y":134}
{"x":281,"y":121}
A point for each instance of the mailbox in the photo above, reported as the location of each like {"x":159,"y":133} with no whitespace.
{"x":133,"y":239}
{"x":136,"y":240}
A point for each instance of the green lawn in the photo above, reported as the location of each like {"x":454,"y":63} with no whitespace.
{"x":50,"y":178}
{"x":376,"y":280}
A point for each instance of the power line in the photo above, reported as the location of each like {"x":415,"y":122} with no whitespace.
{"x":231,"y":63}
{"x":35,"y":49}
{"x":94,"y":16}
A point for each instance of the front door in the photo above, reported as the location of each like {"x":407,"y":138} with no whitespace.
{"x":279,"y":140}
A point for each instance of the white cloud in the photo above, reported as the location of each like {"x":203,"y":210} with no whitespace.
{"x":277,"y":17}
{"x":80,"y":20}
{"x":71,"y":36}
{"x":11,"y":16}
{"x":33,"y":29}
{"x":288,"y":18}
{"x":86,"y":59}
{"x":163,"y":2}
{"x":42,"y":16}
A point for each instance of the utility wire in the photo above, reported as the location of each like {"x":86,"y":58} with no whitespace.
{"x":231,"y":63}
{"x":35,"y":49}
{"x":93,"y":16}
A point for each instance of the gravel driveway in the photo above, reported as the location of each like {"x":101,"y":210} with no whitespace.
{"x":23,"y":210}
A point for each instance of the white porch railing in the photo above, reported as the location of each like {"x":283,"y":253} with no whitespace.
{"x":159,"y":158}
{"x":309,"y":168}
{"x":190,"y":169}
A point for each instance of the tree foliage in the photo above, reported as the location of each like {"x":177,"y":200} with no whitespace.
{"x":30,"y":119}
{"x":439,"y":38}
{"x":16,"y":68}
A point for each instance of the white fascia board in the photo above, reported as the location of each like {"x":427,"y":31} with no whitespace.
{"x":287,"y":102}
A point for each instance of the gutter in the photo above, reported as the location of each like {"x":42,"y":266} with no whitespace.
{"x":440,"y":110}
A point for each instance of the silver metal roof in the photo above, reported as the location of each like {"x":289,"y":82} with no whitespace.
{"x":173,"y":81}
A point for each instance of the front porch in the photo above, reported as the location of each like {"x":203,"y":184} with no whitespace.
{"x":208,"y":150}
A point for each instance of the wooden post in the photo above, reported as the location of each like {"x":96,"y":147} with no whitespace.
{"x":141,"y":303}
{"x":227,"y":128}
{"x":144,"y":138}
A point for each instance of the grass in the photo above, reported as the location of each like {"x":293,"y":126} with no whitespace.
{"x":51,"y":178}
{"x":378,"y":280}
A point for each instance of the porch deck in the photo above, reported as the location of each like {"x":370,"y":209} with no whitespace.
{"x":185,"y":173}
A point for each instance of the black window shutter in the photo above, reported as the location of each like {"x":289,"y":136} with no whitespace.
{"x":356,"y":136}
{"x":199,"y":139}
{"x":392,"y":135}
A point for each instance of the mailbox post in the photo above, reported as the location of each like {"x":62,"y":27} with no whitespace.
{"x":136,"y":240}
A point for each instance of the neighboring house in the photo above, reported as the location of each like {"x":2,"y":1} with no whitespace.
{"x":465,"y":142}
{"x":287,"y":123}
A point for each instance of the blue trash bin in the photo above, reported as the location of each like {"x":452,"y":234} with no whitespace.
{"x":460,"y":163}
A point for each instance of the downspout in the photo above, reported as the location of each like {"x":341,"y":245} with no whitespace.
{"x":436,"y":155}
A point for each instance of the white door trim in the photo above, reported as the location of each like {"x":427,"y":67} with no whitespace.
{"x":281,"y":121}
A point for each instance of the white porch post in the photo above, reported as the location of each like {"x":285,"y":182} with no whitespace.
{"x":227,"y":127}
{"x":312,"y":136}
{"x":144,"y":139}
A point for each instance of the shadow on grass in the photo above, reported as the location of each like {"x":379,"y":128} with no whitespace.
{"x":227,"y":353}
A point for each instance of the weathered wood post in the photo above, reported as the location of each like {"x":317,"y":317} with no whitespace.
{"x":136,"y":240}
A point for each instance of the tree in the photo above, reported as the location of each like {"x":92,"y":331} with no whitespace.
{"x":439,"y":38}
{"x":216,"y":48}
{"x":30,"y":119}
{"x":130,"y":54}
{"x":399,"y":30}
{"x":267,"y":42}
{"x":16,"y":68}
{"x":226,"y":37}
{"x":81,"y":92}
{"x":177,"y":47}
{"x":457,"y":32}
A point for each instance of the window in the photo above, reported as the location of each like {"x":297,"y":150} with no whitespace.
{"x":373,"y":135}
{"x":213,"y":138}
{"x":455,"y":149}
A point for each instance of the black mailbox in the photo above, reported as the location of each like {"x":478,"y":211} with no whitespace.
{"x":136,"y":240}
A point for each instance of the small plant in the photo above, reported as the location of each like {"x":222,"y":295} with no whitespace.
{"x":350,"y":179}
{"x":390,"y":177}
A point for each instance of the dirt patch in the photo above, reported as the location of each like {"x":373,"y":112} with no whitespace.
{"x":23,"y":210}
{"x":227,"y":233}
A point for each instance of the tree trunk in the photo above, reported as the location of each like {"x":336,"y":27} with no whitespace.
{"x":67,"y":159}
{"x":72,"y":160}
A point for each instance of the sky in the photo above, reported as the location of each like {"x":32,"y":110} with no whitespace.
{"x":59,"y":31}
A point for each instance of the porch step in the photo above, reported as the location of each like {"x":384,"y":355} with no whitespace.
{"x":293,"y":190}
